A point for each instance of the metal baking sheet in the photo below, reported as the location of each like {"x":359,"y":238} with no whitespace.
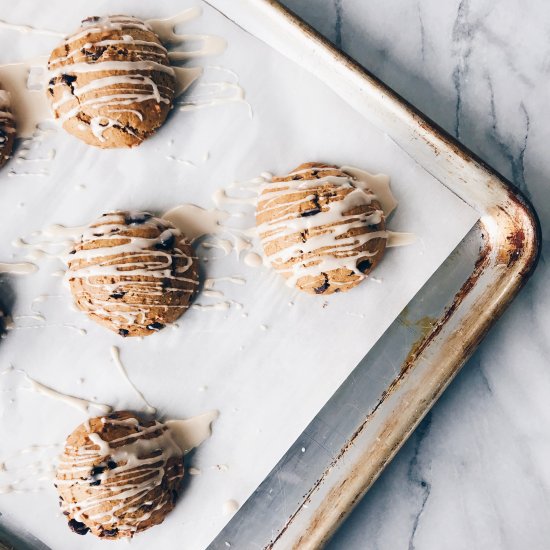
{"x":342,"y":452}
{"x":322,"y":464}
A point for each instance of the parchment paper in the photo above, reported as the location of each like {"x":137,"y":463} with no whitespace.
{"x":269,"y":372}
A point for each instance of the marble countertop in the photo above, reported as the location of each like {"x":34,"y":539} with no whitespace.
{"x":476,"y":473}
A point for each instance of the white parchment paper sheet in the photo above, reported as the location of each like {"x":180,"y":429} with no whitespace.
{"x":267,"y":384}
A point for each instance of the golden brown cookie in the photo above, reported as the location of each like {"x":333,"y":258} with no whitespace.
{"x":320,"y":228}
{"x":133,"y":273}
{"x":111,"y":82}
{"x":118,"y":475}
{"x":7,"y":128}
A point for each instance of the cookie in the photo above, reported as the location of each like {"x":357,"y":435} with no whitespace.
{"x":118,"y":475}
{"x":111,"y":83}
{"x":132,"y":272}
{"x":7,"y":128}
{"x":320,"y":228}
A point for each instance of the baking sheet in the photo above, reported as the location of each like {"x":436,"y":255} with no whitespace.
{"x":269,"y":372}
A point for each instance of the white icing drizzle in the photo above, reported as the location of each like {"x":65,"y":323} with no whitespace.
{"x":211,"y":93}
{"x":236,"y":280}
{"x":21,"y":268}
{"x":111,"y":261}
{"x":28,"y":100}
{"x":27,"y":29}
{"x":379,"y":184}
{"x":166,"y":28}
{"x":253,"y":260}
{"x":115,"y":354}
{"x":166,"y":31}
{"x":224,"y":245}
{"x":400,"y":239}
{"x":196,"y":222}
{"x":326,"y":229}
{"x":181,"y":161}
{"x":28,"y":470}
{"x":55,"y":241}
{"x":79,"y":403}
{"x":230,"y":507}
{"x":210,"y":292}
{"x":35,"y":315}
{"x":192,"y":432}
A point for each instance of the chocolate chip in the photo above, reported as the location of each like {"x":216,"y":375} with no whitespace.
{"x":92,"y":19}
{"x":155,"y":326}
{"x":69,"y":80}
{"x":78,"y":527}
{"x":94,"y":53}
{"x":321,"y":289}
{"x":96,"y":470}
{"x":118,"y":295}
{"x":310,"y":212}
{"x":364,"y":265}
{"x":123,"y":332}
{"x":167,"y":242}
{"x":109,"y":532}
{"x":137,"y":218}
{"x":111,"y":464}
{"x":315,"y":210}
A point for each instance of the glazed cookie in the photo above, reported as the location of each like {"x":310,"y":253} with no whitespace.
{"x":7,"y":128}
{"x":118,"y":475}
{"x":320,"y":228}
{"x":132,"y":272}
{"x":111,"y":82}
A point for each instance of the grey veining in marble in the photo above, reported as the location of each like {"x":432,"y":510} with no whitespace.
{"x":476,"y":473}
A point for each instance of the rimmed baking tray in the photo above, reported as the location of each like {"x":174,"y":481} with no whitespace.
{"x":345,"y":448}
{"x":342,"y":452}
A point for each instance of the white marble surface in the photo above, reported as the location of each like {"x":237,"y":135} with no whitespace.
{"x":476,"y":473}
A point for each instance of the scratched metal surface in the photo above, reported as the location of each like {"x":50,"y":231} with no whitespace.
{"x":341,"y":453}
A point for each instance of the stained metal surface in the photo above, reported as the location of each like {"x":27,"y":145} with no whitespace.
{"x":342,"y":452}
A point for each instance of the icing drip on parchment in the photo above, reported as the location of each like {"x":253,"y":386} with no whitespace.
{"x":38,"y":319}
{"x":20,"y":268}
{"x":210,"y":292}
{"x":84,"y":405}
{"x":115,"y":354}
{"x":219,"y":86}
{"x":166,"y":31}
{"x":28,"y":470}
{"x":29,"y":29}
